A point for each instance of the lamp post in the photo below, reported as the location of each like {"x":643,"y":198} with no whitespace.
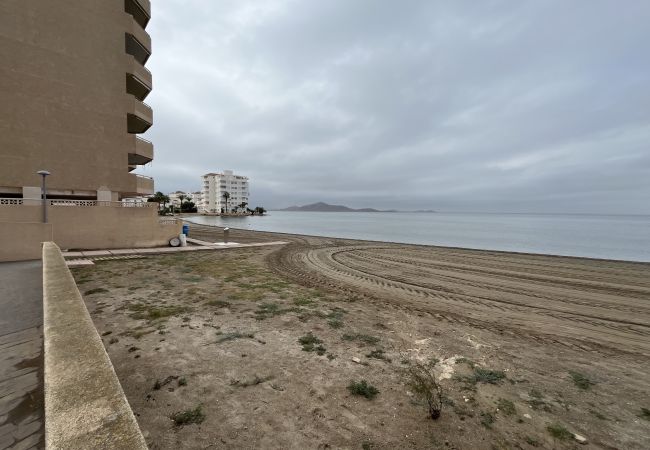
{"x":44,"y":173}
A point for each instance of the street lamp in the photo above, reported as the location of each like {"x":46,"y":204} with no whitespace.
{"x":44,"y":173}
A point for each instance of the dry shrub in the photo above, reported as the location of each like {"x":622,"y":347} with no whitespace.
{"x":424,"y":385}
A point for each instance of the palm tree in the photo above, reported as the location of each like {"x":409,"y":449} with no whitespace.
{"x":243,"y":205}
{"x":181,"y":197}
{"x":159,"y":198}
{"x":226,"y":196}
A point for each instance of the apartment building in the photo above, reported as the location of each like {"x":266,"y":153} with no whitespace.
{"x":196,"y":198}
{"x":175,"y":198}
{"x":215,"y":185}
{"x":72,"y":88}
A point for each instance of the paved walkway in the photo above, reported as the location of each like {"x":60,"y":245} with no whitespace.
{"x":85,"y":258}
{"x":21,"y":355}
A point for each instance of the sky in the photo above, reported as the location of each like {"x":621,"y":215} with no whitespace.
{"x":496,"y":106}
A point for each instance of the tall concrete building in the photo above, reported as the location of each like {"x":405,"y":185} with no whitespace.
{"x":72,"y":88}
{"x":215,"y":185}
{"x":72,"y":85}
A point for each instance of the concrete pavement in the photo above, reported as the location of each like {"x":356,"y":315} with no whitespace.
{"x":21,"y":355}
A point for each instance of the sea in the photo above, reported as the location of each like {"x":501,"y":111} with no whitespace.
{"x":620,"y":237}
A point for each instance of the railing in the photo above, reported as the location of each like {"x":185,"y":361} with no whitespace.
{"x":85,"y":203}
{"x":11,"y":201}
{"x":143,"y":139}
{"x":168,"y":221}
{"x":76,"y":203}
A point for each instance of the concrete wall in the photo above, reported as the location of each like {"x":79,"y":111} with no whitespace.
{"x":85,"y":406}
{"x":23,"y":241}
{"x":96,"y":227}
{"x":63,"y":99}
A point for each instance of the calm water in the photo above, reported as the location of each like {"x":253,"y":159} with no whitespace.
{"x":595,"y":236}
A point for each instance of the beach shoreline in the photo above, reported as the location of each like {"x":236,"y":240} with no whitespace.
{"x":279,"y":234}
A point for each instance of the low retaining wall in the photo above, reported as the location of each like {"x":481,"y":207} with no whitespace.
{"x":85,"y":406}
{"x":96,"y":227}
{"x":23,"y":241}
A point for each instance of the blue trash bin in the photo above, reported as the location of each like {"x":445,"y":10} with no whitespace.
{"x":186,"y":229}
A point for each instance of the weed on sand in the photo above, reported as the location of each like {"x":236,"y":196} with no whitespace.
{"x":268,"y":310}
{"x":481,"y":375}
{"x":363,"y":388}
{"x":378,"y":354}
{"x":580,"y":380}
{"x":311,"y":343}
{"x":559,"y":432}
{"x":188,"y":416}
{"x":233,"y":336}
{"x":361,"y":338}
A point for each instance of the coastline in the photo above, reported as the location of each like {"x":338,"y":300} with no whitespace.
{"x":372,"y":241}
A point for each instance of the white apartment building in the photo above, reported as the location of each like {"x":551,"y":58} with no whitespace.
{"x":214,"y":185}
{"x":175,"y":199}
{"x":196,"y":198}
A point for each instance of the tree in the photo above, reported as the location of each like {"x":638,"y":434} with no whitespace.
{"x":243,"y":205}
{"x":259,"y":210}
{"x":226,"y":196}
{"x":160,"y":198}
{"x":189,"y":207}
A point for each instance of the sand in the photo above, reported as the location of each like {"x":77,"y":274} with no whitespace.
{"x":567,"y":340}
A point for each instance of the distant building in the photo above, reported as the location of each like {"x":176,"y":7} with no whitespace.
{"x":175,"y":198}
{"x":215,"y":185}
{"x":196,"y":198}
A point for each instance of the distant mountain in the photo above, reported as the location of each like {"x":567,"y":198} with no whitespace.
{"x":324,"y":207}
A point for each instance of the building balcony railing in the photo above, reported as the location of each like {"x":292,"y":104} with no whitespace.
{"x":140,"y":10}
{"x":144,"y":185}
{"x":141,"y":51}
{"x":141,"y":152}
{"x":138,"y":79}
{"x":139,"y":116}
{"x":74,"y":203}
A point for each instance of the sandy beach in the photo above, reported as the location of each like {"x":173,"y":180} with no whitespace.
{"x":222,"y":334}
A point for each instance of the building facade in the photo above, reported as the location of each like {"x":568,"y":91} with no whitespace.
{"x":196,"y":198}
{"x":175,"y":198}
{"x":72,"y":88}
{"x":214,"y":188}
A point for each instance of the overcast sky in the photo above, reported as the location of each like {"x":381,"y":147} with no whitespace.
{"x":520,"y":106}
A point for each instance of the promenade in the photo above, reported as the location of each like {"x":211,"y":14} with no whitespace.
{"x":21,"y":355}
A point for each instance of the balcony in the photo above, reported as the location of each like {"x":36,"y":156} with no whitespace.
{"x":140,"y":10}
{"x":139,"y":116}
{"x":138,"y":79}
{"x":144,"y":185}
{"x":141,"y":51}
{"x":142,"y":152}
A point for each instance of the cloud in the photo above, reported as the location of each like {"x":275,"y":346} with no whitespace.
{"x":458,"y":105}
